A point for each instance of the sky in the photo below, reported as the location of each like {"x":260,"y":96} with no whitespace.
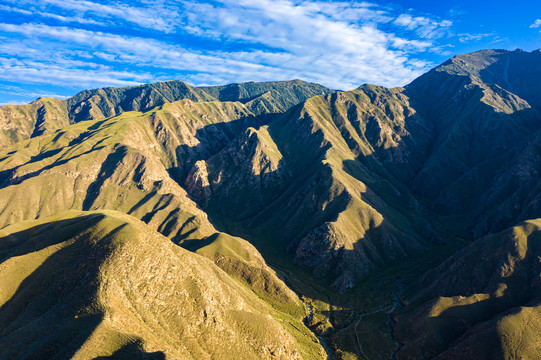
{"x":56,"y":48}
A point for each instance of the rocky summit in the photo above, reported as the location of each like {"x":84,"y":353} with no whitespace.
{"x":277,"y":220}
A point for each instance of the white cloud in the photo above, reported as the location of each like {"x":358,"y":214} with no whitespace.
{"x":26,"y":71}
{"x":466,"y":37}
{"x":338,"y":44}
{"x":536,"y":24}
{"x":425,"y":27}
{"x":155,"y":15}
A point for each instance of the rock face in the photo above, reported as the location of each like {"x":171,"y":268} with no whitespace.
{"x":251,"y":165}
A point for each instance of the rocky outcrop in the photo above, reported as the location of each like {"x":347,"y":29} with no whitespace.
{"x":252,"y":166}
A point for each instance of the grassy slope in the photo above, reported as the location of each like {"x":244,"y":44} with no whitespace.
{"x":317,"y":176}
{"x":124,"y":163}
{"x":476,"y":303}
{"x":120,"y":163}
{"x":89,"y":284}
{"x":20,"y":122}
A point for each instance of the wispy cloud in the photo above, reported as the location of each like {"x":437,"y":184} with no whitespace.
{"x":466,"y":37}
{"x":153,"y":15}
{"x":425,"y":27}
{"x":338,"y":44}
{"x":536,"y":24}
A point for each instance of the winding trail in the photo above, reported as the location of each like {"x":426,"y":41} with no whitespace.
{"x":396,"y":304}
{"x":309,"y":317}
{"x":374,"y":311}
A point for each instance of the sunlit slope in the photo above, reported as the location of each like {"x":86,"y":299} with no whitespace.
{"x":20,"y":122}
{"x":97,"y":284}
{"x":484,"y":302}
{"x":325,"y":180}
{"x":123,"y":163}
{"x":130,"y":163}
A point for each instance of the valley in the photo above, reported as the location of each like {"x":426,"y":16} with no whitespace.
{"x":279,"y":220}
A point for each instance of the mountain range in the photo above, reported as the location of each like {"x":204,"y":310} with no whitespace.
{"x":277,"y":220}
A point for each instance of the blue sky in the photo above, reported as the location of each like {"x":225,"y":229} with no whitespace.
{"x":57,"y":48}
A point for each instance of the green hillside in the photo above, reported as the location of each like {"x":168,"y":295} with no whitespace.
{"x":376,"y":217}
{"x":87,"y":285}
{"x":481,"y":303}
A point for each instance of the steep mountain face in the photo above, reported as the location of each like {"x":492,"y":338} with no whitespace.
{"x":20,"y":122}
{"x":356,"y":186}
{"x":482,"y":303}
{"x":267,"y":97}
{"x":317,"y":180}
{"x":483,"y":120}
{"x":107,"y":102}
{"x":87,"y":285}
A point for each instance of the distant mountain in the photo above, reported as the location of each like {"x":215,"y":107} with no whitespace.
{"x":267,"y":97}
{"x":107,"y":102}
{"x":19,"y":122}
{"x":345,"y":197}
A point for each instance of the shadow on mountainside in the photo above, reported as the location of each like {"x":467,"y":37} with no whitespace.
{"x":133,"y":351}
{"x":41,"y":316}
{"x":55,"y":308}
{"x":211,"y":140}
{"x":42,"y":236}
{"x":474,"y":166}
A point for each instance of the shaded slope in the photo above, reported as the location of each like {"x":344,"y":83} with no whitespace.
{"x":84,"y":285}
{"x":482,"y":303}
{"x":317,"y":183}
{"x":482,"y":120}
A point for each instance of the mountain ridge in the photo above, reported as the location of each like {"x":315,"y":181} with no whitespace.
{"x":348,"y":196}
